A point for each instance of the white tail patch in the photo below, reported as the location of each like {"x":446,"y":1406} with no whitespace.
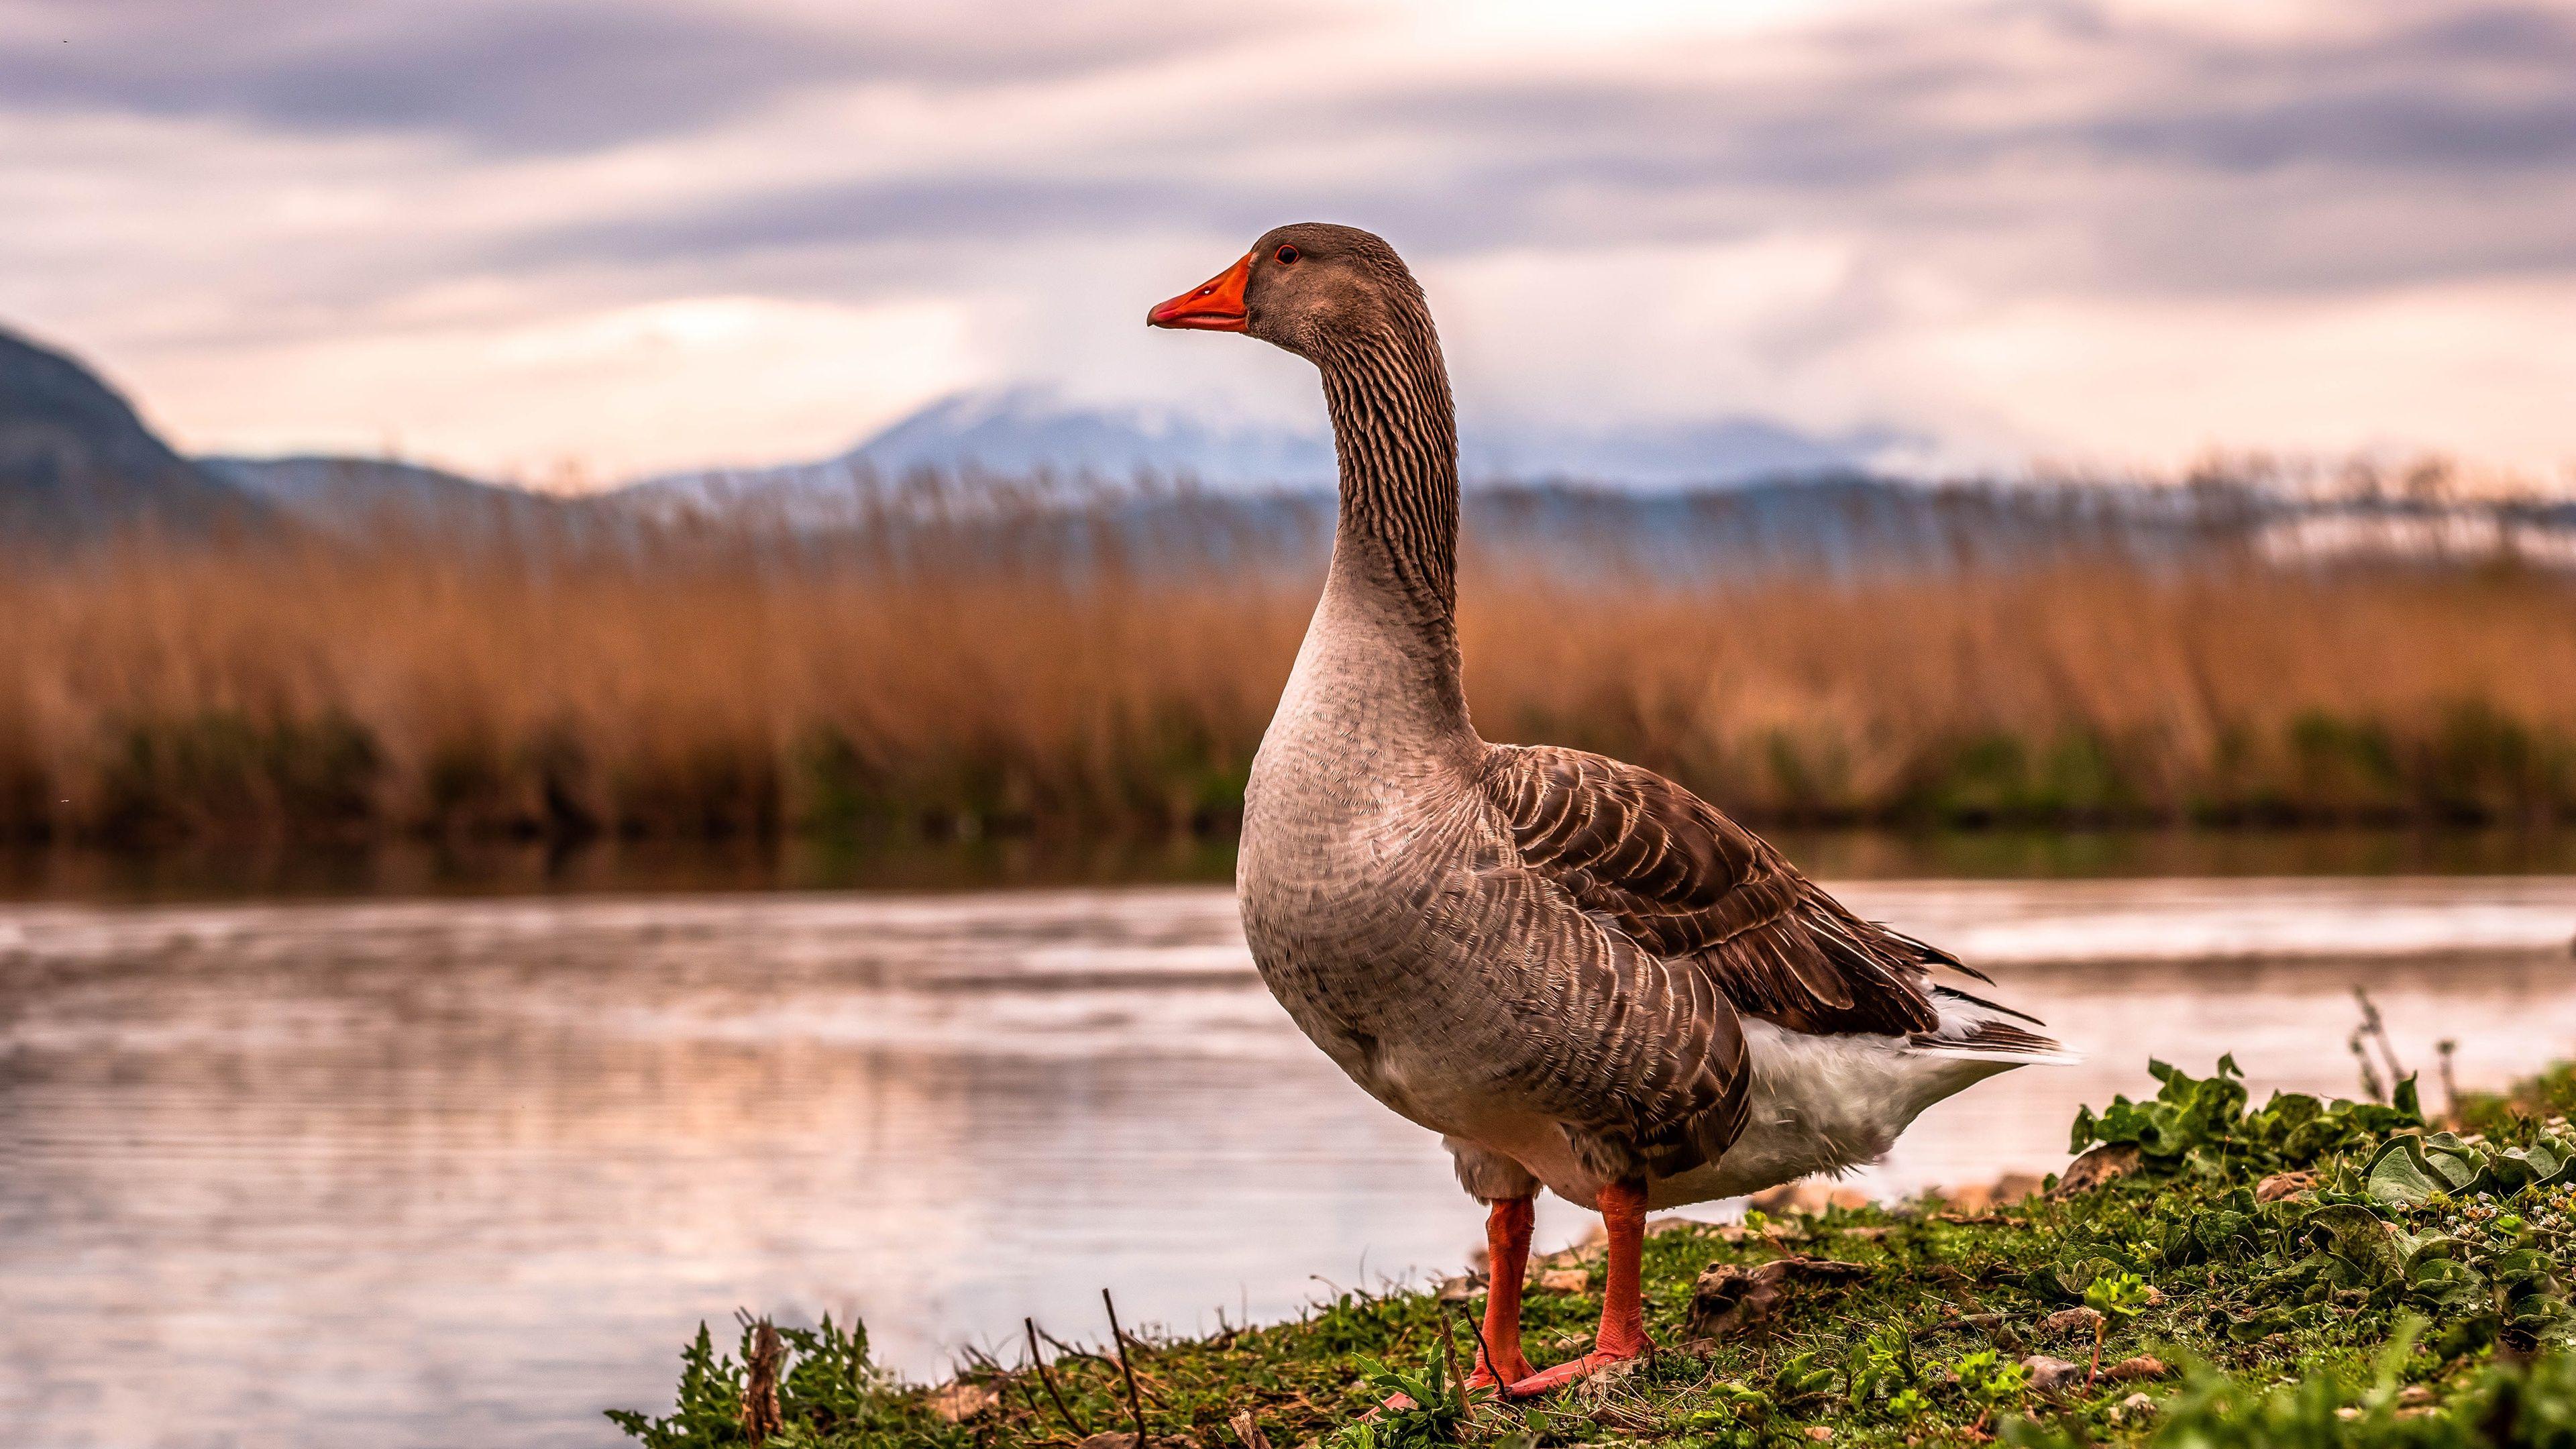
{"x":1976,"y":1030}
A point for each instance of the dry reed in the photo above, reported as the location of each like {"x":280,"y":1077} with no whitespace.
{"x":1044,"y":670}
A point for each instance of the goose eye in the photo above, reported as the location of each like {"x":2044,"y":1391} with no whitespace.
{"x":1285,"y":255}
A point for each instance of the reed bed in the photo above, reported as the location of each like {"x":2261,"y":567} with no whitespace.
{"x":1029,"y":667}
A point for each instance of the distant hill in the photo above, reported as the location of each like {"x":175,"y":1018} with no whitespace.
{"x":76,"y":461}
{"x":1018,"y":432}
{"x":347,"y":495}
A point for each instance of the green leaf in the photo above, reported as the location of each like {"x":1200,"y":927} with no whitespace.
{"x":2399,"y":1176}
{"x":2357,"y":1236}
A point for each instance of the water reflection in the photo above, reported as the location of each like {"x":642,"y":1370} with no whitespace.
{"x":413,"y":869}
{"x":462,"y":1172}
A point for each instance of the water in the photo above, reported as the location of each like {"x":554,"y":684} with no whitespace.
{"x":461,"y":1172}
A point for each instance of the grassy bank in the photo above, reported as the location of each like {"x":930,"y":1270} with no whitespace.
{"x":966,"y":675}
{"x":2306,"y":1274}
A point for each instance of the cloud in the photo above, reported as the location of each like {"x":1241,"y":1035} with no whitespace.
{"x":2012,"y":226}
{"x":2185,"y":156}
{"x":515,"y":76}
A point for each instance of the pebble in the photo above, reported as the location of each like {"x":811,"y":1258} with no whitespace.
{"x":2052,"y":1375}
{"x":2071,"y":1320}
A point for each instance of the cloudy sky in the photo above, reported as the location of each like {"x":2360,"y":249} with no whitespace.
{"x":559,"y":239}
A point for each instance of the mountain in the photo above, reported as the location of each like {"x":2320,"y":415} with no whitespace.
{"x":76,"y":461}
{"x":349,"y":495}
{"x":1717,"y":454}
{"x":1022,"y":431}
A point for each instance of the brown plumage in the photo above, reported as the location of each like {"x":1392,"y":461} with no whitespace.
{"x":1578,"y":972}
{"x":1682,"y":880}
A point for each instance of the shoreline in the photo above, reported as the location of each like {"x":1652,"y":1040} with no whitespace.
{"x":2299,"y":1273}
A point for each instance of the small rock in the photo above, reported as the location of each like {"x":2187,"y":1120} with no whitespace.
{"x":2136,"y":1405}
{"x":1976,"y":1197}
{"x":1248,"y":1431}
{"x":2014,"y":1186}
{"x":1807,"y":1196}
{"x":1866,"y":1235}
{"x":2416,"y":1412}
{"x":1781,"y":1199}
{"x":1657,"y":1227}
{"x":2155,"y":1296}
{"x":2071,"y":1320}
{"x":1562,"y":1280}
{"x":1819,"y":1433}
{"x":2052,"y":1375}
{"x":2094,"y":1168}
{"x":2283,"y":1185}
{"x":2414,"y":1394}
{"x":2136,"y":1370}
{"x":2347,"y":1412}
{"x":960,"y":1402}
{"x":1461,"y":1289}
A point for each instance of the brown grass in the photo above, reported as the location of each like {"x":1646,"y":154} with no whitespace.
{"x":714,"y":679}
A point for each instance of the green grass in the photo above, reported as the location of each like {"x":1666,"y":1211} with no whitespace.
{"x":2416,"y":1293}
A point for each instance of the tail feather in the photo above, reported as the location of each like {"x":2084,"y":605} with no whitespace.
{"x":1973,"y":1029}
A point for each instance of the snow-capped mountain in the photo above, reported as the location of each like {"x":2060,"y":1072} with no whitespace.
{"x":1020,"y":432}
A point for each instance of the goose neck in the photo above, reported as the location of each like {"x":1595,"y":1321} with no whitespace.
{"x":1395,"y":544}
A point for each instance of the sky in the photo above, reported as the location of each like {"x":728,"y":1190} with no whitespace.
{"x":572,"y":241}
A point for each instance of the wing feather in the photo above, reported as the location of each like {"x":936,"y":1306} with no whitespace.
{"x":1688,"y":885}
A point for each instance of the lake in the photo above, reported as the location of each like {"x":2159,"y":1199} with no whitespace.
{"x":462,"y":1170}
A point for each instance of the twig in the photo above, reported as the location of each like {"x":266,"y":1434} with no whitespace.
{"x":1449,"y":1361}
{"x":761,"y":1360}
{"x":2369,"y":1074}
{"x":1048,"y":1379}
{"x":1118,"y":1336}
{"x":2370,"y":1023}
{"x":1484,"y":1350}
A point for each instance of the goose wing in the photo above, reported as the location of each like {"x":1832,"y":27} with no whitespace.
{"x":1640,"y":1059}
{"x":1666,"y":869}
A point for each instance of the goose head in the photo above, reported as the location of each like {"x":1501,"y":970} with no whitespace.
{"x":1305,"y":287}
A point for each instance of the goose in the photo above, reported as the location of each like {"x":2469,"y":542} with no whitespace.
{"x":1579,"y":973}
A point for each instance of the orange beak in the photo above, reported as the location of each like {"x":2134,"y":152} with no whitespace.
{"x":1215,"y":305}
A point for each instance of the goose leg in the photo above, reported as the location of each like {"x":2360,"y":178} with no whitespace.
{"x":1507,"y":1245}
{"x":1623,"y":1306}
